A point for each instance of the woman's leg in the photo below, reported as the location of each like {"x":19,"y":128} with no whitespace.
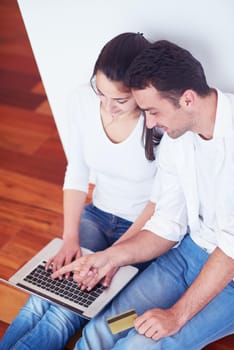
{"x":40,"y":325}
{"x":24,"y":322}
{"x":99,"y":229}
{"x":52,"y":331}
{"x":41,"y":320}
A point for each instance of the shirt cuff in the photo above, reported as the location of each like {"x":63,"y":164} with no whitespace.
{"x":165,"y":228}
{"x":225,"y":237}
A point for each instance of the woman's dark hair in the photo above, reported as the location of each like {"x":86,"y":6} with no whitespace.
{"x":117,"y":55}
{"x":152,"y":138}
{"x":114,"y":60}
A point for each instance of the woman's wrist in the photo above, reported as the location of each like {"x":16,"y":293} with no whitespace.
{"x":70,"y":238}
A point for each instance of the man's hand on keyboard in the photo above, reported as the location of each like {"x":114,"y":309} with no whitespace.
{"x":89,"y":270}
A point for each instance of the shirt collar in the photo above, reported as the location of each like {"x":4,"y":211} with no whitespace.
{"x":224,"y":119}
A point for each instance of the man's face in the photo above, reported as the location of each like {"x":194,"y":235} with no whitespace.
{"x":161,"y":112}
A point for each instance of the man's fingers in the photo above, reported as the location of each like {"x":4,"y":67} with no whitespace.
{"x":64,"y":269}
{"x":86,"y":282}
{"x":109,"y":276}
{"x":77,"y":267}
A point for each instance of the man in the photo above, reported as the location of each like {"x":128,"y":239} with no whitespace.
{"x":185,"y":299}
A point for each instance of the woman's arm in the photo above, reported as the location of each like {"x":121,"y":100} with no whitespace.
{"x":139,"y":222}
{"x":73,"y":202}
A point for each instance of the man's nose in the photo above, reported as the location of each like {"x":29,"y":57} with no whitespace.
{"x":150,"y":121}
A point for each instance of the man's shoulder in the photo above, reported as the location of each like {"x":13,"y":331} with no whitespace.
{"x":230,"y":97}
{"x":174,"y":151}
{"x":170,"y":142}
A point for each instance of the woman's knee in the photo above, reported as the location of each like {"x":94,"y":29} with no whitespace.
{"x":36,"y":305}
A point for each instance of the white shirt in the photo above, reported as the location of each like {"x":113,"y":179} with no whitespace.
{"x":123,"y":176}
{"x":194,"y":185}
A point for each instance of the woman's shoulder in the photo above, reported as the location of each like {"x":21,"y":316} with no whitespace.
{"x":83,"y":103}
{"x":83,"y":94}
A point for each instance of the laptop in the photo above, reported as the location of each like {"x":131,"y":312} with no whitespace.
{"x":33,"y":278}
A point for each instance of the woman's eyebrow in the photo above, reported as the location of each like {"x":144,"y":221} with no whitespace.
{"x":114,"y":98}
{"x":121,"y":98}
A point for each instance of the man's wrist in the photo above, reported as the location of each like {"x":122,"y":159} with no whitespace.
{"x":179,"y":314}
{"x":118,"y":255}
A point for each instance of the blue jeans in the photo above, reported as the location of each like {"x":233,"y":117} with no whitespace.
{"x":43,"y":325}
{"x":160,"y":286}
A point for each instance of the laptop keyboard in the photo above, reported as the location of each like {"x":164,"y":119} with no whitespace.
{"x":65,"y":288}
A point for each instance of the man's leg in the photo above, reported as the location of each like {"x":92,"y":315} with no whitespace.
{"x":214,"y":322}
{"x":154,"y":287}
{"x":160,"y":286}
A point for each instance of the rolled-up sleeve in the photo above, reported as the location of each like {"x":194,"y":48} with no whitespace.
{"x":225,"y":236}
{"x":170,"y":218}
{"x":225,"y":206}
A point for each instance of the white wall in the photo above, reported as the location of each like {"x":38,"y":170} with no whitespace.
{"x":67,"y":35}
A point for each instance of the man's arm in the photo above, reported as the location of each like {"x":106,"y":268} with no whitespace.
{"x":215,"y":275}
{"x":90,"y":269}
{"x":136,"y":226}
{"x":144,"y":246}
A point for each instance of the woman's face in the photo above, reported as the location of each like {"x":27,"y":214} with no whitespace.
{"x":115,"y":98}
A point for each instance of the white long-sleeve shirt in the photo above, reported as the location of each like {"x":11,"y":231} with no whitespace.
{"x":123,"y":176}
{"x":194,"y":185}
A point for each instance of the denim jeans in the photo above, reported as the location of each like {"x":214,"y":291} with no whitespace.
{"x":160,"y":286}
{"x":43,"y":325}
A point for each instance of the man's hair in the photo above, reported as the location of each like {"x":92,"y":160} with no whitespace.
{"x":170,"y":69}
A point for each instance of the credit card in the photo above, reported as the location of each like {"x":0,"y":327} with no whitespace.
{"x":121,"y":322}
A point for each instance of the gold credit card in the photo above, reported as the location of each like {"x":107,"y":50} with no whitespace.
{"x":121,"y":322}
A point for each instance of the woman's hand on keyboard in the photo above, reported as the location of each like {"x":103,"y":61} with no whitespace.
{"x":69,"y":251}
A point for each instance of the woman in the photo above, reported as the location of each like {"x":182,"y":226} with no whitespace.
{"x":105,"y":141}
